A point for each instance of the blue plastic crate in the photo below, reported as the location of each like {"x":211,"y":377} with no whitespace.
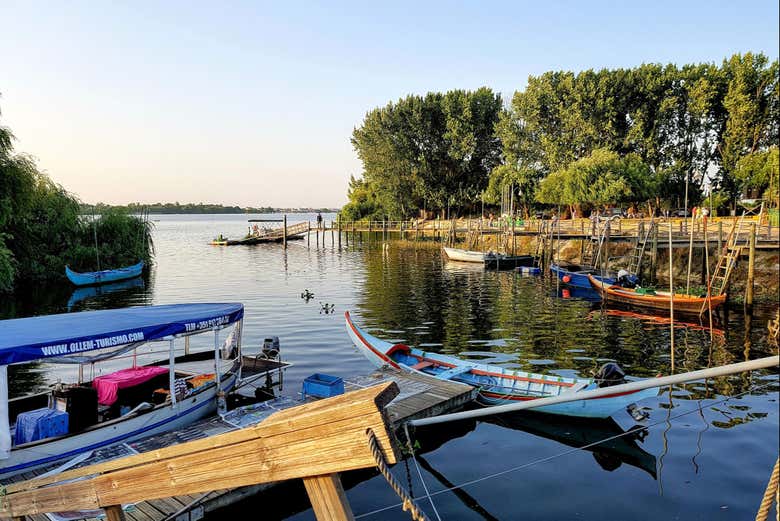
{"x":322,"y":385}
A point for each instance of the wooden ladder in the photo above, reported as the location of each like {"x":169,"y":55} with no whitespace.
{"x":719,"y":280}
{"x":635,"y":262}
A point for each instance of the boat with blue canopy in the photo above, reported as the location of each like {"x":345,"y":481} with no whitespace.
{"x":148,"y":370}
{"x":91,"y":278}
{"x":500,"y":385}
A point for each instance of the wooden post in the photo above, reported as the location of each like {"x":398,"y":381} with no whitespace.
{"x":654,"y":258}
{"x":751,"y":269}
{"x":328,"y":499}
{"x":284,"y":237}
{"x":308,"y":234}
{"x":115,"y":513}
{"x":332,"y":238}
{"x":671,"y":297}
{"x":317,"y":237}
{"x":720,"y":239}
{"x":607,"y":232}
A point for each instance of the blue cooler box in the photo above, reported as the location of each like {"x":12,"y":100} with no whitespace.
{"x":40,"y":424}
{"x":322,"y":385}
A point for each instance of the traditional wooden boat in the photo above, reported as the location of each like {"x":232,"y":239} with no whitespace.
{"x":490,"y":260}
{"x":101,"y":277}
{"x":497,"y":385}
{"x":123,"y":405}
{"x":654,"y":299}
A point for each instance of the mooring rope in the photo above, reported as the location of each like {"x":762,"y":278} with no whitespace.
{"x":770,"y":495}
{"x":408,"y":502}
{"x":570,"y":451}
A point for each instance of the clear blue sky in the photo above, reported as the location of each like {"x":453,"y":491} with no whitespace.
{"x":253,"y":103}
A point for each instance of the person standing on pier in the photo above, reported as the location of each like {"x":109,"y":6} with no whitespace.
{"x":319,"y":220}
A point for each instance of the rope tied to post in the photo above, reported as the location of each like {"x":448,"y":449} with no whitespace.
{"x":770,"y":495}
{"x":408,"y":502}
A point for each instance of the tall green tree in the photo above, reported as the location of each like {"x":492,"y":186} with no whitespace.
{"x":434,"y":151}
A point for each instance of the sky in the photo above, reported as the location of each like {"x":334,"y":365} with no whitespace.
{"x":254,"y":103}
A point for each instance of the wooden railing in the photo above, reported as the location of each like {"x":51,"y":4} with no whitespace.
{"x":566,"y":228}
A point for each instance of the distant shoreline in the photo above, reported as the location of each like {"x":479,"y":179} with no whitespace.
{"x":194,"y":209}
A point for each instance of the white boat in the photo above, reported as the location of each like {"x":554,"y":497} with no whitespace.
{"x":119,"y":406}
{"x":457,"y":254}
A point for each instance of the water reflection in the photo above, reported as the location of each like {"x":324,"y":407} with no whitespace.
{"x":610,"y":444}
{"x":81,"y":294}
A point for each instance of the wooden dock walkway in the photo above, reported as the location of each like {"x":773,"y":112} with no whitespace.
{"x":622,"y":230}
{"x":419,"y":397}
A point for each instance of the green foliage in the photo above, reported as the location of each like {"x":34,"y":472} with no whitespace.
{"x":759,"y":171}
{"x":363,"y":203}
{"x":602,"y":177}
{"x":42,"y":229}
{"x":433,"y":151}
{"x":752,"y":109}
{"x":719,"y":203}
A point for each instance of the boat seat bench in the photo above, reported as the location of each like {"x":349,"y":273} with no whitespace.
{"x":455,"y":371}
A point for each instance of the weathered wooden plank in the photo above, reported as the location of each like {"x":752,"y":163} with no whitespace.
{"x":328,"y":499}
{"x":319,"y":440}
{"x":311,"y":414}
{"x":115,"y":513}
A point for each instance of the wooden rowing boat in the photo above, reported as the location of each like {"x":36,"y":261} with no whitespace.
{"x":497,"y":385}
{"x":490,"y":260}
{"x":101,"y":277}
{"x":654,"y":299}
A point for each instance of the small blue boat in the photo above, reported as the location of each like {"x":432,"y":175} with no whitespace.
{"x":101,"y":277}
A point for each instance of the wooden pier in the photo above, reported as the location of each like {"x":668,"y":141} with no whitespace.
{"x":418,"y":397}
{"x":622,"y":230}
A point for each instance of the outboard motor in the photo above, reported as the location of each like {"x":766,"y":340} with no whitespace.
{"x":271,"y":349}
{"x":610,"y":374}
{"x":627,"y":280}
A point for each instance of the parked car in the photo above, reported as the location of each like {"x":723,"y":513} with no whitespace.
{"x":681,"y":212}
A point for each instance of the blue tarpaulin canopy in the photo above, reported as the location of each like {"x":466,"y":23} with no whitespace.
{"x":34,"y":338}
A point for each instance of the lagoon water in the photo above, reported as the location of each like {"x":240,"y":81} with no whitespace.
{"x":700,"y":457}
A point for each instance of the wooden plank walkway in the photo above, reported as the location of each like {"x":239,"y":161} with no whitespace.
{"x":420,"y":397}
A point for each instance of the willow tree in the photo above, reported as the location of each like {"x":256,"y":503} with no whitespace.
{"x":601,"y":178}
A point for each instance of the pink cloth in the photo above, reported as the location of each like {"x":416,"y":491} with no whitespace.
{"x":108,"y":385}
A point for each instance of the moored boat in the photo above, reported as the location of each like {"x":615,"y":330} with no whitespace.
{"x":497,"y":385}
{"x":654,"y":299}
{"x":140,"y":400}
{"x":576,"y":275}
{"x":490,"y":260}
{"x":461,"y":255}
{"x":101,"y":277}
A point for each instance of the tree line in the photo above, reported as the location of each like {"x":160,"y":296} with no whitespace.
{"x":42,"y":229}
{"x":612,"y":136}
{"x":192,"y":208}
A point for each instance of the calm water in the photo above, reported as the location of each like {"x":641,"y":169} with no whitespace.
{"x":700,"y":457}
